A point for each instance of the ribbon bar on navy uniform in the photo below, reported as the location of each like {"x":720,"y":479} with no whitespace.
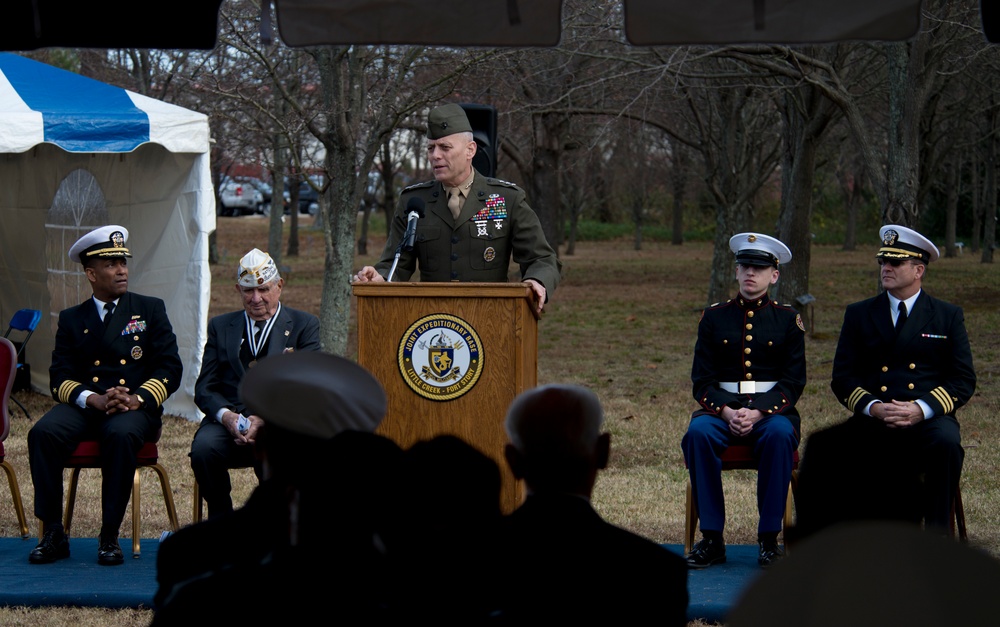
{"x":747,"y":387}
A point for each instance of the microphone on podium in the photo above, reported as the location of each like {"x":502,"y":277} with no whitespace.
{"x":415,"y":211}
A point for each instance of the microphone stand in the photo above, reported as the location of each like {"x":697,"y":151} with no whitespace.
{"x":392,"y":270}
{"x":411,"y":226}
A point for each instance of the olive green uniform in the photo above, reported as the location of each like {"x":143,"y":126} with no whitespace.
{"x":496,"y":224}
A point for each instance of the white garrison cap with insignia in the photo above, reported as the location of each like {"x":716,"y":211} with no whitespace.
{"x":755,"y":249}
{"x":900,"y":242}
{"x":256,"y":268}
{"x":314,"y":394}
{"x":107,"y":241}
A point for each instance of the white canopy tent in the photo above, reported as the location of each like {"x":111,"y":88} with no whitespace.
{"x":76,"y":154}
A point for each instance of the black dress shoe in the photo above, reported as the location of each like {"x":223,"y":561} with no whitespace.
{"x":54,"y":546}
{"x":706,"y":553}
{"x":109,"y":553}
{"x":769,"y":553}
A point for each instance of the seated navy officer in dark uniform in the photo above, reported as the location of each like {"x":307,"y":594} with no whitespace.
{"x":236,"y":342}
{"x":749,"y":370}
{"x":114,"y":363}
{"x":472,"y":224}
{"x":903,"y":367}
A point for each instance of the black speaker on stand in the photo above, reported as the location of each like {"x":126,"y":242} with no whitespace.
{"x":483,"y":119}
{"x":990,"y":14}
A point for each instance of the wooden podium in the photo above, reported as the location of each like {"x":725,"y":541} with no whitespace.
{"x":451,"y":357}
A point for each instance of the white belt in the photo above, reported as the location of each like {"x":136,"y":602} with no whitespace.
{"x":747,"y":387}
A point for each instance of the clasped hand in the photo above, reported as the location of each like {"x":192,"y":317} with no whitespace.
{"x":229,"y":421}
{"x":898,"y":414}
{"x":741,"y":420}
{"x":116,"y":400}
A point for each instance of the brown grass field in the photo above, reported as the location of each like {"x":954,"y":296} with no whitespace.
{"x":623,"y":323}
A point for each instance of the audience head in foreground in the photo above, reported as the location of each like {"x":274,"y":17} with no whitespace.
{"x":556,"y":539}
{"x":556,"y":443}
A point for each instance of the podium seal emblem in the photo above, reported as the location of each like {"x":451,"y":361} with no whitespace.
{"x":440,"y":357}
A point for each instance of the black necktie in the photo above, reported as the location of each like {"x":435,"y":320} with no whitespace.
{"x":901,"y":318}
{"x":109,"y":308}
{"x":258,"y":326}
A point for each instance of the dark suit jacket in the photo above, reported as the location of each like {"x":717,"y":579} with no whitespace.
{"x":138,"y":349}
{"x":221,"y":368}
{"x":930,"y":361}
{"x":564,"y":563}
{"x":496,"y":224}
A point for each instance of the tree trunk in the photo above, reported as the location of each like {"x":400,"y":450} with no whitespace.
{"x":277,"y":218}
{"x":903,"y":155}
{"x":807,"y":113}
{"x":678,"y":176}
{"x":544,"y":193}
{"x":951,"y":209}
{"x":990,"y":194}
{"x":637,"y":219}
{"x":977,"y":202}
{"x":729,"y":220}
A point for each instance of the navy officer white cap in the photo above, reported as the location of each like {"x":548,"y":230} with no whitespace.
{"x":313,"y":394}
{"x":900,"y":242}
{"x":756,"y":249}
{"x":106,"y":241}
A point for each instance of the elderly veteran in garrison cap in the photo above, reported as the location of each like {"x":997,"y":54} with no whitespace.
{"x":325,"y":474}
{"x":114,"y":364}
{"x":748,"y":372}
{"x":470,"y":225}
{"x":903,"y":367}
{"x":237,"y":341}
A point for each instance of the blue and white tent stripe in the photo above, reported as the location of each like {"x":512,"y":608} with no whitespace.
{"x":42,"y":103}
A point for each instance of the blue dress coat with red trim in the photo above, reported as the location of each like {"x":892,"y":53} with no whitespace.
{"x":743,"y":340}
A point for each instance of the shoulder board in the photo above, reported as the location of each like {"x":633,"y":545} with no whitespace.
{"x":419,"y":185}
{"x":493,"y":181}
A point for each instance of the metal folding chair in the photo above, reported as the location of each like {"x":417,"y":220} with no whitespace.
{"x":23,"y":321}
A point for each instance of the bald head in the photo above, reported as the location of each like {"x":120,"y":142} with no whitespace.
{"x":555,"y":438}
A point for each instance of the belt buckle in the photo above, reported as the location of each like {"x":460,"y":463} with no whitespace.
{"x":748,"y":387}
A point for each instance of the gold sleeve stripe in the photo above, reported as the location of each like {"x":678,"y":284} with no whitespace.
{"x":944,"y":398}
{"x":65,"y":388}
{"x":157,"y":389}
{"x":855,"y":397}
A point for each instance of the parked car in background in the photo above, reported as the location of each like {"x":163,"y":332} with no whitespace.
{"x":308,"y":196}
{"x":266,"y":191}
{"x":238,"y":198}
